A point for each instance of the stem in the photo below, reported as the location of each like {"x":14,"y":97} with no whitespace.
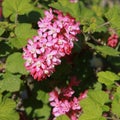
{"x":109,"y":118}
{"x":117,"y":84}
{"x":106,"y":23}
{"x":97,"y":41}
{"x":16,"y":18}
{"x":3,"y":38}
{"x":35,"y":2}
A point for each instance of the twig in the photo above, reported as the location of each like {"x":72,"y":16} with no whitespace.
{"x":106,"y":23}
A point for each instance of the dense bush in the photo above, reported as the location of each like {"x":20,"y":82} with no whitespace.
{"x":59,"y":60}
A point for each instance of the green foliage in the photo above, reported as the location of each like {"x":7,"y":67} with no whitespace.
{"x":116,"y":103}
{"x":98,"y":20}
{"x":43,"y":96}
{"x":104,"y":50}
{"x":14,"y":8}
{"x":2,"y":30}
{"x":93,"y":106}
{"x":43,"y":113}
{"x":7,"y":109}
{"x":10,"y":83}
{"x":107,"y":77}
{"x":15,"y":60}
{"x":113,"y":16}
{"x":62,"y":117}
{"x":23,"y":32}
{"x":67,"y":7}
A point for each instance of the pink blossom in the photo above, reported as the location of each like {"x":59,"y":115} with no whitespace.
{"x":56,"y":36}
{"x":57,"y":108}
{"x":53,"y":95}
{"x":113,"y":40}
{"x":83,"y":95}
{"x":65,"y":106}
{"x":75,"y":104}
{"x":64,"y":101}
{"x":67,"y":92}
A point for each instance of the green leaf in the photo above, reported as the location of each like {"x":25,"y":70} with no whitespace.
{"x":15,"y":63}
{"x":113,"y":16}
{"x":91,"y":110}
{"x":16,"y":7}
{"x":94,"y":25}
{"x":116,"y":103}
{"x":105,"y":50}
{"x":107,"y":77}
{"x":118,"y":91}
{"x":2,"y":30}
{"x":67,"y":7}
{"x":23,"y":33}
{"x":10,"y":83}
{"x":91,"y":117}
{"x":43,"y":96}
{"x":7,"y":110}
{"x":93,"y":105}
{"x":63,"y":117}
{"x":98,"y":96}
{"x":0,"y":97}
{"x":43,"y":112}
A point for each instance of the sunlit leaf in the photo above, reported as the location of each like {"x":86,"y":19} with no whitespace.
{"x":23,"y":33}
{"x":10,"y":83}
{"x":16,"y":7}
{"x":15,"y":63}
{"x":7,"y":110}
{"x":63,"y":117}
{"x":107,"y":77}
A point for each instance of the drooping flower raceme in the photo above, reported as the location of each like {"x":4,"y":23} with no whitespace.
{"x":56,"y":35}
{"x":63,"y":101}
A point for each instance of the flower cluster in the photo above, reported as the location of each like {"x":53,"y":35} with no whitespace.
{"x":112,"y":40}
{"x":55,"y":38}
{"x":63,"y":101}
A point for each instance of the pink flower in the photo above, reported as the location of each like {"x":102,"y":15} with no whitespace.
{"x":83,"y":95}
{"x":113,"y":40}
{"x":67,"y":92}
{"x":75,"y":104}
{"x":65,"y":106}
{"x":53,"y":95}
{"x":63,"y":101}
{"x":57,"y":108}
{"x":56,"y":35}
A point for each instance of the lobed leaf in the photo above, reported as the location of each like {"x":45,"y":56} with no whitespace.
{"x":107,"y":77}
{"x":113,"y":16}
{"x":62,"y":117}
{"x":116,"y":102}
{"x":15,"y":63}
{"x":43,"y":96}
{"x":16,"y":7}
{"x":10,"y":83}
{"x":67,"y":7}
{"x":7,"y":110}
{"x":23,"y":33}
{"x":93,"y":106}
